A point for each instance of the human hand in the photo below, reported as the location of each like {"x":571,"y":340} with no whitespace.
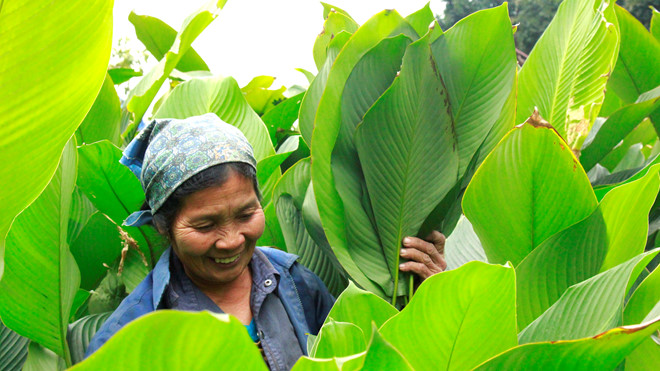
{"x":425,"y":257}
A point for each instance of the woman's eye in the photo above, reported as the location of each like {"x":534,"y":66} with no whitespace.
{"x":204,"y":227}
{"x":245,"y":216}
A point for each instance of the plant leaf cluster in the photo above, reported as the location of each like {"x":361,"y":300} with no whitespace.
{"x":405,"y":128}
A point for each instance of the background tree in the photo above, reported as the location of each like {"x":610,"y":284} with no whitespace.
{"x":532,"y":16}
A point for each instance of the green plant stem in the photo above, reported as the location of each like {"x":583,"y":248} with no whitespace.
{"x":411,"y":288}
{"x":396,"y":284}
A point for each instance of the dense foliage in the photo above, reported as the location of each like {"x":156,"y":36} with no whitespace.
{"x":545,"y":179}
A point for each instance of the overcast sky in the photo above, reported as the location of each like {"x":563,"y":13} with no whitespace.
{"x":258,"y":37}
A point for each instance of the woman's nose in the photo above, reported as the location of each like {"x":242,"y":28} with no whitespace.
{"x":230,"y":240}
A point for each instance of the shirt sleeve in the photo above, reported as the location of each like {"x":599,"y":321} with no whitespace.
{"x":321,"y":298}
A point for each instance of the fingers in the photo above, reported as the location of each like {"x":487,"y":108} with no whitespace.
{"x":434,"y":250}
{"x":438,"y":240}
{"x":420,"y":269}
{"x":425,"y":257}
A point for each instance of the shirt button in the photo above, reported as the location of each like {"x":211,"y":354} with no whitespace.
{"x":260,"y":334}
{"x":268,"y":282}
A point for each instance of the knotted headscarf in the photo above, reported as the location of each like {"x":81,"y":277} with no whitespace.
{"x":168,"y":152}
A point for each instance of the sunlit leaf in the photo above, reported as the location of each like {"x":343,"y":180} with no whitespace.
{"x":615,"y":232}
{"x":222,"y":96}
{"x":566,"y":72}
{"x":103,"y":119}
{"x":530,"y":187}
{"x":590,"y":307}
{"x":602,"y":352}
{"x":54,"y":57}
{"x":225,"y":342}
{"x":158,"y":37}
{"x":42,"y":277}
{"x":145,"y":91}
{"x":477,"y":319}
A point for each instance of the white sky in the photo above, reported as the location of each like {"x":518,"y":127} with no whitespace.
{"x":258,"y":37}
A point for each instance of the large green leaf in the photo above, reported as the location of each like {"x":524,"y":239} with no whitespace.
{"x":289,"y":197}
{"x":476,"y":322}
{"x":99,"y":243}
{"x":476,"y":60}
{"x":53,"y":60}
{"x":219,"y":340}
{"x":615,"y":232}
{"x":42,"y":277}
{"x":409,"y":126}
{"x":338,"y":339}
{"x":103,"y":119}
{"x":158,"y":37}
{"x":636,"y":69}
{"x":116,"y":192}
{"x":145,"y":91}
{"x":601,"y":352}
{"x":529,"y":188}
{"x":310,"y":102}
{"x":362,"y":309}
{"x":327,"y":124}
{"x":335,"y":22}
{"x":13,"y":349}
{"x":81,"y":333}
{"x":617,"y":126}
{"x":463,"y":245}
{"x":589,"y":307}
{"x":368,"y":80}
{"x":222,"y":96}
{"x":566,"y":72}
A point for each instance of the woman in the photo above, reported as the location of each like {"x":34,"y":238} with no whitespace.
{"x":199,"y":178}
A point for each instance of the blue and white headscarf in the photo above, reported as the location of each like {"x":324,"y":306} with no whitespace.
{"x":169,"y":151}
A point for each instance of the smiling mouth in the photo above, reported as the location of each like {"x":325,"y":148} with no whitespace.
{"x":229,"y":260}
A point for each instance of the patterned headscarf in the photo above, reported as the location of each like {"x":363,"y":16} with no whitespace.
{"x":168,"y":152}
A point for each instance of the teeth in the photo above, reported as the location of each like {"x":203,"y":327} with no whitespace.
{"x":227,"y":260}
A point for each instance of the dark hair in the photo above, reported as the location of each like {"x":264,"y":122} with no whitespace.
{"x":214,"y":176}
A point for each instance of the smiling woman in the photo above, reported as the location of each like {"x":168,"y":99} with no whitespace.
{"x":201,"y":189}
{"x":199,"y":178}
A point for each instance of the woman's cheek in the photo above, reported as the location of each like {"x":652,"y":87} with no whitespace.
{"x":259,"y":225}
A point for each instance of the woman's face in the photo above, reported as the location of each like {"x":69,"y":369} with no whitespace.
{"x":216,"y":231}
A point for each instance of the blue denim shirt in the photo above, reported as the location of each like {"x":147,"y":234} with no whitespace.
{"x":274,"y":330}
{"x":303,"y":296}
